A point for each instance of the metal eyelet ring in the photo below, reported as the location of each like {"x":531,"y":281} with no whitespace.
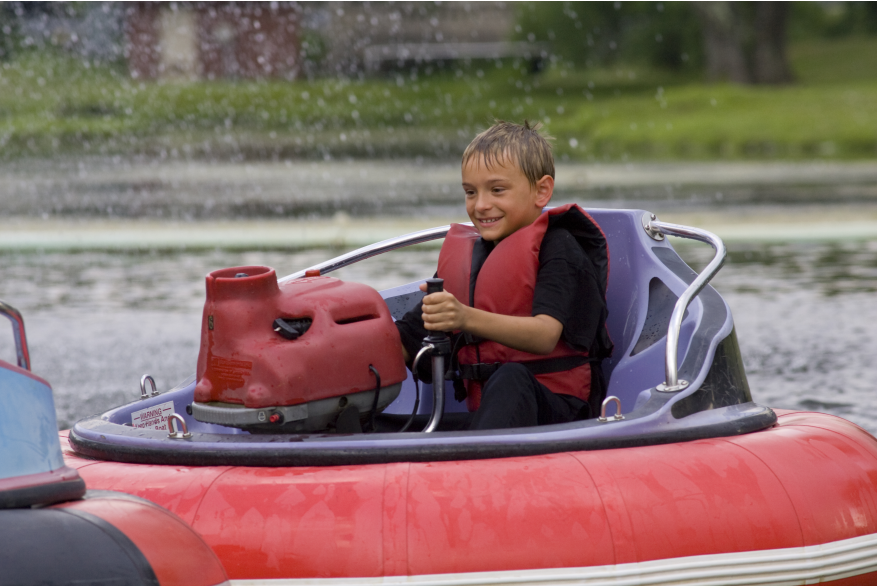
{"x":606,"y":402}
{"x":180,"y":431}
{"x":143,"y":393}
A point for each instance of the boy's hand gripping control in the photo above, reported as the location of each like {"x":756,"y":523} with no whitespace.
{"x":441,"y":350}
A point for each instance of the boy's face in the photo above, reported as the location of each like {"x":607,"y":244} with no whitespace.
{"x":500,"y":200}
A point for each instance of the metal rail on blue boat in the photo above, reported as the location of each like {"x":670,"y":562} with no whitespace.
{"x":391,"y":244}
{"x":672,"y":383}
{"x":21,"y":350}
{"x":655,"y":228}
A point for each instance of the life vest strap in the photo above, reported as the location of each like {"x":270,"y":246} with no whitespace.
{"x":483,"y":371}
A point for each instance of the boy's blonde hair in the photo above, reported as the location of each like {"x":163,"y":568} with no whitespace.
{"x":516,"y":143}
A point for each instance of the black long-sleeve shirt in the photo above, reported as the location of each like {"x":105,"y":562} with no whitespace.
{"x":566,"y":289}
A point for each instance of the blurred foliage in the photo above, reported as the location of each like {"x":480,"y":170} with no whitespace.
{"x":592,"y":34}
{"x":313,"y":50}
{"x":728,"y":122}
{"x":835,"y":61}
{"x":25,"y":26}
{"x":630,"y":101}
{"x":9,"y":37}
{"x":51,"y":103}
{"x":664,"y":35}
{"x":832,"y":19}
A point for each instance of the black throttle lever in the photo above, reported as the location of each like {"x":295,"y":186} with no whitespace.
{"x":437,"y":338}
{"x":441,"y":350}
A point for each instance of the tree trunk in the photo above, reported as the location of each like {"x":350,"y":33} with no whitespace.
{"x":723,"y":38}
{"x":770,"y":65}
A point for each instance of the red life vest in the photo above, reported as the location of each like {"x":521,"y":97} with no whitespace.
{"x":505,"y":285}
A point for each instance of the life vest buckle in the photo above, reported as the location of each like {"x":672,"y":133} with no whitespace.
{"x":479,"y":371}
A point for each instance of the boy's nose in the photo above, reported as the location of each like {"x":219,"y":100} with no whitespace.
{"x":482,"y":202}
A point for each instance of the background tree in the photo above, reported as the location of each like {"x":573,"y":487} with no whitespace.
{"x":594,"y":34}
{"x":9,"y":13}
{"x":740,"y":42}
{"x":745,"y":42}
{"x":723,"y":38}
{"x":770,"y":65}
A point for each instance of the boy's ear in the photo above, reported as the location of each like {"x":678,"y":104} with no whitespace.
{"x":544,"y":190}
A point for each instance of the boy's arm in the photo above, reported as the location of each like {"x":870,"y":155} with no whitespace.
{"x":411,"y":332}
{"x":532,"y":334}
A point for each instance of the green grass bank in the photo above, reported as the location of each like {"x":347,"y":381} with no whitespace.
{"x":52,"y":104}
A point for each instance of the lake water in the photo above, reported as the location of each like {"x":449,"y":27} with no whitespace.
{"x":97,"y":321}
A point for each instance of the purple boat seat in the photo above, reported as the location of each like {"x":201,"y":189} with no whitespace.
{"x":646,"y":278}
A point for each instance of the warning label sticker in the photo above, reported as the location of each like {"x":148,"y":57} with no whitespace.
{"x":154,"y":418}
{"x":231,"y":371}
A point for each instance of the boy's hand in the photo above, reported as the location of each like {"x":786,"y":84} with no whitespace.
{"x":442,"y":311}
{"x":532,"y":334}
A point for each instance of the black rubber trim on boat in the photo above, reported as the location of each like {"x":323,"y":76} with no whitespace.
{"x":47,"y":493}
{"x":60,"y":546}
{"x":293,"y":451}
{"x":139,"y":564}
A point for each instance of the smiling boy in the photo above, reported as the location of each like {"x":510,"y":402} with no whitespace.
{"x":524,"y":289}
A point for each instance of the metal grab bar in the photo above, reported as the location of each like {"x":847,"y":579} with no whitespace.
{"x":391,"y":244}
{"x":657,"y":229}
{"x":18,"y":333}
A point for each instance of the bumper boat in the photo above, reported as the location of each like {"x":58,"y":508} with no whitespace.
{"x":55,"y":532}
{"x":682,"y":479}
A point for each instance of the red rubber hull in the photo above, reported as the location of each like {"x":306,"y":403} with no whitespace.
{"x":810,"y":480}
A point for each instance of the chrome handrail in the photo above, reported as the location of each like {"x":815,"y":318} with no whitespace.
{"x":18,"y":333}
{"x":391,"y":244}
{"x":656,"y":229}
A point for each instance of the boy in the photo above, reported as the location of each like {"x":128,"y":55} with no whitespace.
{"x":524,"y":289}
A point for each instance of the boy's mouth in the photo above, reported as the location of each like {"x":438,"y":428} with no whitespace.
{"x":488,"y":220}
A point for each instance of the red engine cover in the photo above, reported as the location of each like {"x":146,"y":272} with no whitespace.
{"x":244,"y":361}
